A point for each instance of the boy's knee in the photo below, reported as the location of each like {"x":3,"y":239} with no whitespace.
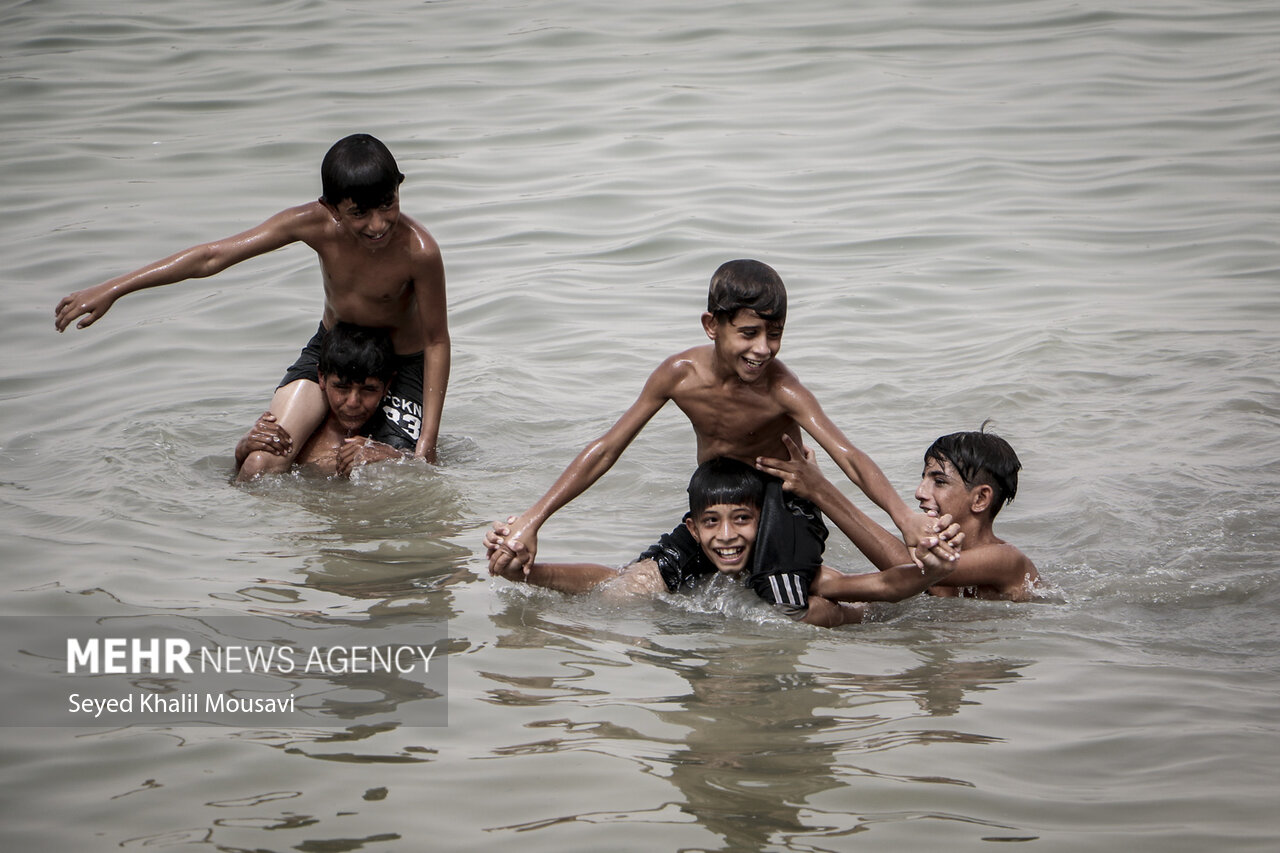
{"x":260,"y":462}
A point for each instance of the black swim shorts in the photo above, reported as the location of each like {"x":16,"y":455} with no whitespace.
{"x":790,"y":542}
{"x":399,"y":421}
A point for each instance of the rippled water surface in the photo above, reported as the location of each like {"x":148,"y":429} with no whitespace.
{"x":1061,"y":216}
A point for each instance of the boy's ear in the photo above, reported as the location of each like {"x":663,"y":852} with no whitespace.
{"x":709,"y":324}
{"x":333,"y":211}
{"x":980,"y":499}
{"x":689,"y":525}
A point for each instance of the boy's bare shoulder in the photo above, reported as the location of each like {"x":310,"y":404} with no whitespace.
{"x":687,"y":365}
{"x":310,"y":222}
{"x":419,"y":239}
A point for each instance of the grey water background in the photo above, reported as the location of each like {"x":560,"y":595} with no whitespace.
{"x":1058,"y":215}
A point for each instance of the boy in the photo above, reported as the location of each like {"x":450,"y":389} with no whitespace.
{"x":740,"y":401}
{"x":356,"y":366}
{"x":379,"y":268}
{"x":725,"y":498}
{"x":968,"y":476}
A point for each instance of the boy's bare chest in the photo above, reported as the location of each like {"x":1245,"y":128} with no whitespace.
{"x":377,"y":293}
{"x":735,"y":423}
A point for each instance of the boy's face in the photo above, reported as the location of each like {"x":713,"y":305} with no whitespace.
{"x":371,"y":227}
{"x":726,"y":533}
{"x":746,"y":343}
{"x":942,"y":489}
{"x":352,"y":403}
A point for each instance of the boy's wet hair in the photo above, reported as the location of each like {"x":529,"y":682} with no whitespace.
{"x":724,"y":481}
{"x":360,"y":168}
{"x":355,"y":353}
{"x":980,"y":458}
{"x":747,"y":284}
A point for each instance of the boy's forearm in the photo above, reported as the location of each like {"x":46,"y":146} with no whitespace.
{"x":436,"y":365}
{"x":892,"y":584}
{"x":867,"y":476}
{"x":572,"y":578}
{"x":589,"y":465}
{"x":878,"y":545}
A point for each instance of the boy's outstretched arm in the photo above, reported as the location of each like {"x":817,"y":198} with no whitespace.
{"x":892,"y":584}
{"x":801,"y":476}
{"x":857,"y":466}
{"x":589,"y":465}
{"x":437,"y":348}
{"x":564,"y":577}
{"x":207,"y":259}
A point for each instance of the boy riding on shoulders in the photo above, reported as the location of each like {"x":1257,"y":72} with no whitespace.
{"x":741,"y":402}
{"x":379,"y":268}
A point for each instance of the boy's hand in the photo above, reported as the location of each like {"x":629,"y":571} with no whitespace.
{"x":269,"y":436}
{"x":940,"y":560}
{"x":361,"y":451}
{"x":931,"y":532}
{"x":92,"y":302}
{"x":799,"y":472}
{"x":516,"y":542}
{"x":497,"y":544}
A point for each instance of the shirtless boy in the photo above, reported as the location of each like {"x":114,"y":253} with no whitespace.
{"x":380,"y":269}
{"x":357,"y":365}
{"x":968,"y":476}
{"x":740,"y":401}
{"x":725,"y":497}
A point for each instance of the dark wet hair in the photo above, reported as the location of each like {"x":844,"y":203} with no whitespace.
{"x":355,"y":353}
{"x":980,"y":458}
{"x":360,"y":168}
{"x":747,"y":284}
{"x":724,"y":481}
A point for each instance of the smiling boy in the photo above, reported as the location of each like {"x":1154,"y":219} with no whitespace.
{"x":741,"y":401}
{"x":968,"y":476}
{"x":720,"y":532}
{"x":380,"y":269}
{"x":356,"y":367}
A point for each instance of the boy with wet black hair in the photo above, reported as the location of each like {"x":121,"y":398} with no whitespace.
{"x":356,"y":366}
{"x":380,"y":269}
{"x":968,"y":476}
{"x":741,"y":402}
{"x":720,"y":532}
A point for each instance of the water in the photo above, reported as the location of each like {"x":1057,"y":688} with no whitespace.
{"x":1058,"y":215}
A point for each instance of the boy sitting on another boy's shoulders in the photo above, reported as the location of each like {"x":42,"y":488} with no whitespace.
{"x":379,"y":268}
{"x":725,"y":499}
{"x":356,"y":367}
{"x":741,"y":401}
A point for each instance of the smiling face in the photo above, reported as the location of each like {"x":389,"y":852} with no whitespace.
{"x":943,"y":490}
{"x":745,"y":343}
{"x":726,"y":533}
{"x":352,"y":403}
{"x":372,"y":226}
